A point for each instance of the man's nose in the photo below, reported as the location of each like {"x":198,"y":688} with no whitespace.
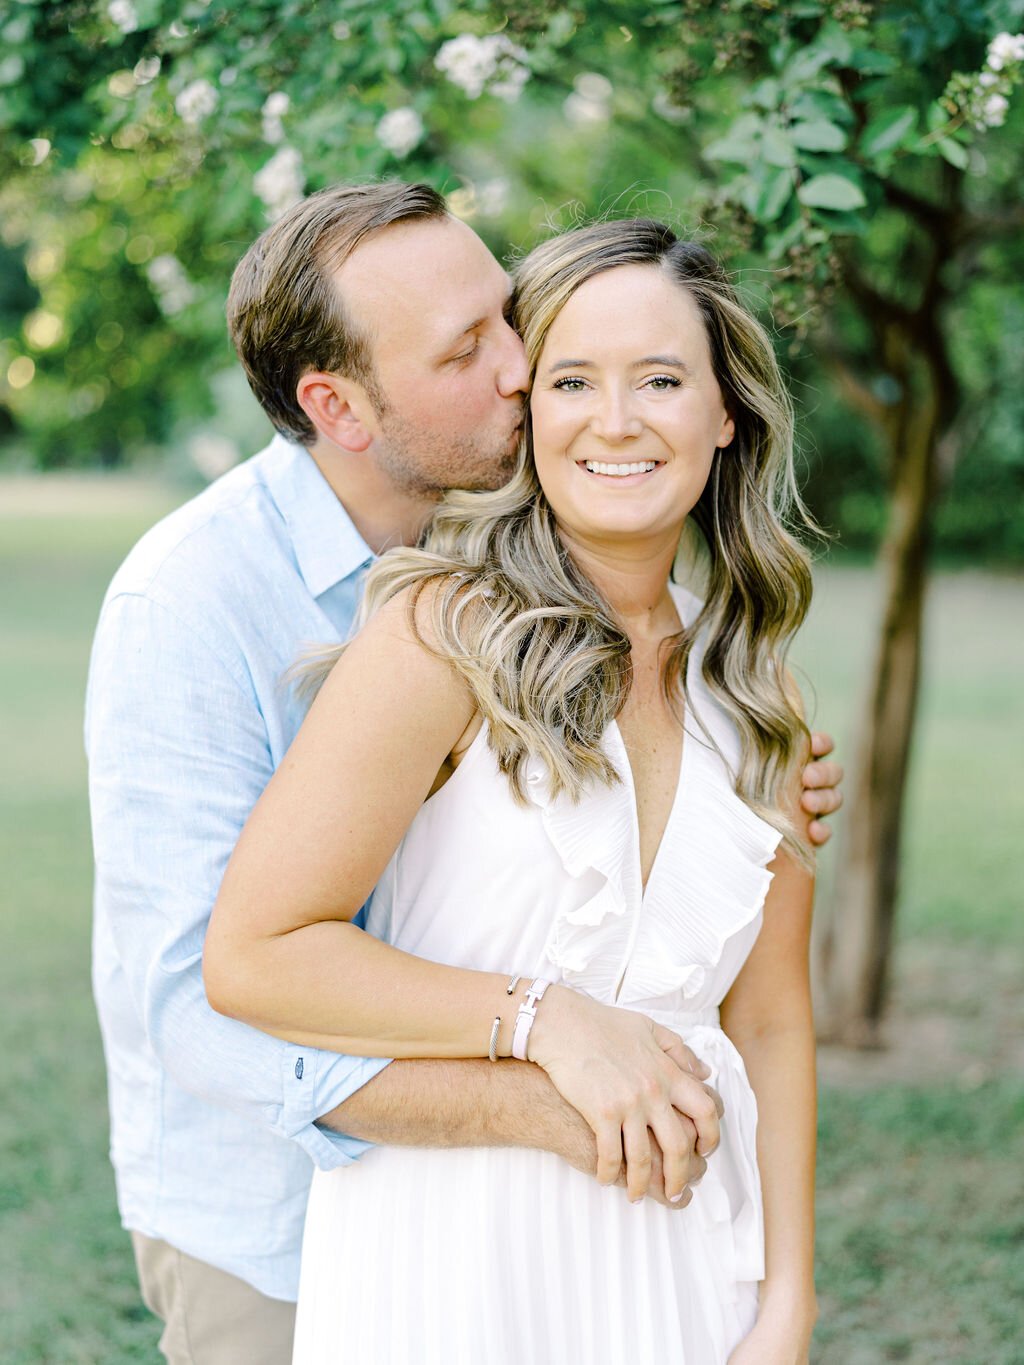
{"x":514,"y":371}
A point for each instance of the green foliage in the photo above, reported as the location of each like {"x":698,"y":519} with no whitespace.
{"x":147,"y":142}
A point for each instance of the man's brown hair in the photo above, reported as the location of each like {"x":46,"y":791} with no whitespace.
{"x":285,"y":313}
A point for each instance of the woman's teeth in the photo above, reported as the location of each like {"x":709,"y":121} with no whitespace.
{"x":620,"y":470}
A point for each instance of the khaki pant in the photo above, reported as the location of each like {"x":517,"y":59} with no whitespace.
{"x":209,"y":1316}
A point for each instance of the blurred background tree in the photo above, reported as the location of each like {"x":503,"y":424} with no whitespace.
{"x":856,"y":163}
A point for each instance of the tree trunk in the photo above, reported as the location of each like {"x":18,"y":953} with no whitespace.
{"x":856,"y":943}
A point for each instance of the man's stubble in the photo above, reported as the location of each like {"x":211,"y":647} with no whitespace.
{"x":428,"y":464}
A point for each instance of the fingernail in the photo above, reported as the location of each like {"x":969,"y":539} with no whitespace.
{"x":637,"y":1201}
{"x":675,"y":1198}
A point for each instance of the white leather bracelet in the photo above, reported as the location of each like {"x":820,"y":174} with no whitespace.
{"x":525,"y":1018}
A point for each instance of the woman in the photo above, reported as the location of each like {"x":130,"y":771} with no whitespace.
{"x":552,"y":763}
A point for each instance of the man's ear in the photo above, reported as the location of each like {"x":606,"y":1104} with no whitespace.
{"x":339,"y":408}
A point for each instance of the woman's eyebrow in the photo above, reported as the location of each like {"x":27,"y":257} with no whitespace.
{"x":672,"y":361}
{"x":570,"y":365}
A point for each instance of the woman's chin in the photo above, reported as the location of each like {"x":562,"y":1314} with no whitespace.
{"x":622,"y":526}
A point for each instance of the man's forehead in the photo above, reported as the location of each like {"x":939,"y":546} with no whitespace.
{"x":436,"y":275}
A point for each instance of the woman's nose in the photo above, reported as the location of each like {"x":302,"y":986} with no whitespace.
{"x":615,"y":418}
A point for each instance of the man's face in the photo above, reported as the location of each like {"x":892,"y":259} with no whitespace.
{"x":450,"y":371}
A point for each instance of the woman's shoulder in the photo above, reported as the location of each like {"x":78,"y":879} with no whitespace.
{"x":419,"y":612}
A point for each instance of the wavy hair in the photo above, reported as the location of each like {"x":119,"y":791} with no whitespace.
{"x":538,"y":645}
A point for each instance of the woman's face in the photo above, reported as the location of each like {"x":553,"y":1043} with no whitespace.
{"x":626,"y":411}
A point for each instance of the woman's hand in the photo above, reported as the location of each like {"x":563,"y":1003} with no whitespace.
{"x":764,"y":1346}
{"x":625,"y":1074}
{"x":768,"y":1345}
{"x":781,"y":1335}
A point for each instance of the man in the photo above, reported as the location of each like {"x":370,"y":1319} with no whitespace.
{"x":373,"y":331}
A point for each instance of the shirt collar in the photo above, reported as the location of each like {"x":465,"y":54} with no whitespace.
{"x":327,"y":545}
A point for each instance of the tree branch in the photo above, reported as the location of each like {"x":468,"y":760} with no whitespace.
{"x":854,"y":390}
{"x":876,"y":305}
{"x":1005,"y":218}
{"x":929,"y":214}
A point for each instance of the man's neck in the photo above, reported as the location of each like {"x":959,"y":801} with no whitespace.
{"x":383,"y":514}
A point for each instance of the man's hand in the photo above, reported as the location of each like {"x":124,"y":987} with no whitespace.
{"x":821,"y":795}
{"x":475,"y":1103}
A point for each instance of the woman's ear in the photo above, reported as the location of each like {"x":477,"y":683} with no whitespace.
{"x":339,"y":408}
{"x":727,"y":432}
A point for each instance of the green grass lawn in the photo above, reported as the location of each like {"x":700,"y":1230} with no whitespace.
{"x":921,"y":1222}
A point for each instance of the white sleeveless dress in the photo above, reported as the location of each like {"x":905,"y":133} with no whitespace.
{"x":504,"y":1256}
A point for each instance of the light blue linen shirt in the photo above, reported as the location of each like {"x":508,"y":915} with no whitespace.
{"x":213,"y":1132}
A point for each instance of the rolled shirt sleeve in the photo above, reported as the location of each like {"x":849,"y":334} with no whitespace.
{"x":179,"y":753}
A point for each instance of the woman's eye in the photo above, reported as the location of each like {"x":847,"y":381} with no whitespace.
{"x":467,"y":355}
{"x":663,"y":381}
{"x":571,"y":384}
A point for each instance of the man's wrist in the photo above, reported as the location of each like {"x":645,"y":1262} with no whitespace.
{"x":536,"y":1115}
{"x":465,"y":1104}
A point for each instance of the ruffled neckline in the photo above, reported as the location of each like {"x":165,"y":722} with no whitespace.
{"x":708,"y":880}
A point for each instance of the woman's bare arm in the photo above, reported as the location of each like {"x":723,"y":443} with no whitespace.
{"x":281,"y":953}
{"x":767,"y":1014}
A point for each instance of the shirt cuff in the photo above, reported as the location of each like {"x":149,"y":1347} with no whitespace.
{"x":316,"y":1082}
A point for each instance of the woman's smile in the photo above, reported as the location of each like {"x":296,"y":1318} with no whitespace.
{"x":621,"y":472}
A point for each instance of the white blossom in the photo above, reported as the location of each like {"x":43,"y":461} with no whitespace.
{"x":987,"y":80}
{"x":590,"y":101}
{"x":492,"y":197}
{"x":488,"y":199}
{"x":462,"y":202}
{"x":172,"y":287}
{"x":123,"y":14}
{"x":581,"y":112}
{"x":275,"y":106}
{"x":196,"y":101}
{"x":146,"y":69}
{"x":400,"y":131}
{"x":280,"y":183}
{"x":994,"y":111}
{"x":593,"y":86}
{"x":475,"y":64}
{"x":665,"y":107}
{"x":1004,"y":48}
{"x":512,"y":76}
{"x":467,"y":62}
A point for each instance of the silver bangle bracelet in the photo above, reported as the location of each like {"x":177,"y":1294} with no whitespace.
{"x":510,"y":989}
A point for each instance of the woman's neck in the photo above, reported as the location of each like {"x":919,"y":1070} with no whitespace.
{"x":633,"y":579}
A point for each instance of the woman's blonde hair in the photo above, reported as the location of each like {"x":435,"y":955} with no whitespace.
{"x":540,"y":648}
